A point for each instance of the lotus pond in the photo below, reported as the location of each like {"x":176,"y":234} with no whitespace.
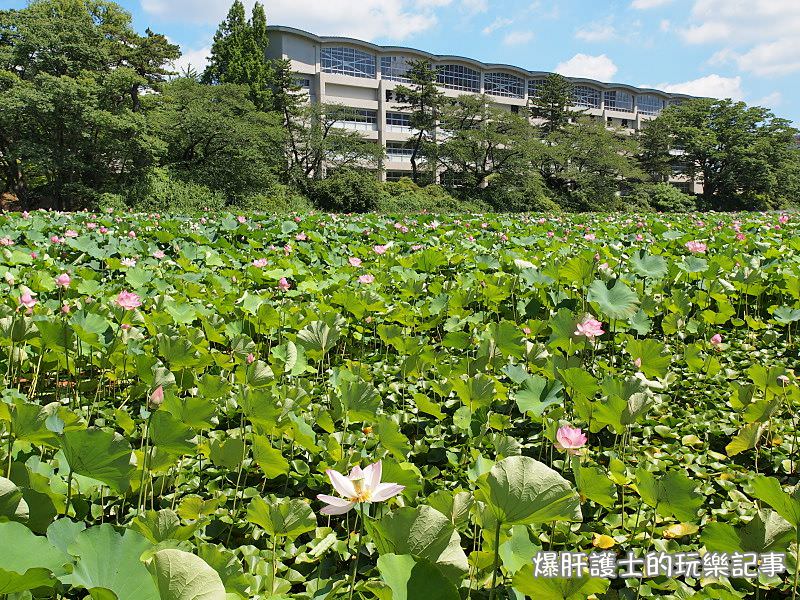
{"x":411,"y":408}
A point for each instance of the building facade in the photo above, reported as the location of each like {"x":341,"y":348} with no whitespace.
{"x":363,"y":76}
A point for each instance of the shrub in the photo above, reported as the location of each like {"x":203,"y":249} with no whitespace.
{"x":347,"y":190}
{"x":162,"y":191}
{"x":278,"y":198}
{"x":662,"y":197}
{"x":405,"y":196}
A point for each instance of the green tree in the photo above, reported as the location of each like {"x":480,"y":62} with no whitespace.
{"x":745,"y":156}
{"x":238,"y":53}
{"x":656,"y":141}
{"x":586,"y":165}
{"x":553,"y":103}
{"x":215,"y":136}
{"x":482,"y":141}
{"x":71,"y":73}
{"x":424,"y":99}
{"x":320,"y":142}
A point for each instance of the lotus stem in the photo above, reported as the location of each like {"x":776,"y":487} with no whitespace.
{"x":358,"y":551}
{"x":496,"y":558}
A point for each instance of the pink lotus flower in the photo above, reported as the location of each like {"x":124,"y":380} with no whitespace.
{"x":54,"y":239}
{"x":65,"y":309}
{"x":63,"y":280}
{"x":128,"y":300}
{"x":637,"y":363}
{"x":104,"y":230}
{"x":27,"y":300}
{"x":251,"y":358}
{"x":716,"y":340}
{"x":159,"y":254}
{"x":70,"y":233}
{"x":590,"y":237}
{"x":696,"y":247}
{"x":284,"y":285}
{"x":590,"y":328}
{"x":241,"y":219}
{"x":570,"y":439}
{"x":783,"y":219}
{"x":301,"y":237}
{"x":416,"y":247}
{"x":550,"y":234}
{"x":34,"y":255}
{"x":156,"y":398}
{"x":91,"y":226}
{"x":260,"y":263}
{"x":6,"y":241}
{"x":368,"y":278}
{"x":358,"y":487}
{"x":128,"y":262}
{"x":354,"y":262}
{"x":131,"y":234}
{"x":741,"y":237}
{"x":378,"y":249}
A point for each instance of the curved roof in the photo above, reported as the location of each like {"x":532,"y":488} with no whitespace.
{"x":445,"y":58}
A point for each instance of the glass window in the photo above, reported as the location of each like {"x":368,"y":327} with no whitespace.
{"x":534,"y":85}
{"x":397,"y":175}
{"x":399,"y":122}
{"x":395,"y":68}
{"x":503,"y":84}
{"x":358,"y":118}
{"x":458,"y":77}
{"x":347,"y":61}
{"x":398,"y":151}
{"x":649,"y":104}
{"x":618,"y":100}
{"x":586,"y":97}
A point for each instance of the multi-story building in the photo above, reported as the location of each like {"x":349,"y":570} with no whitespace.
{"x":363,"y":77}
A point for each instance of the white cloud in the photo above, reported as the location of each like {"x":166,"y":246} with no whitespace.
{"x":758,"y":36}
{"x":364,"y":19}
{"x":475,"y":6}
{"x":544,"y":10}
{"x":711,"y":86}
{"x":665,"y":25}
{"x":197,"y":59}
{"x":645,"y":4}
{"x":498,"y":23}
{"x":770,"y":100}
{"x":517,"y":38}
{"x":597,"y":32}
{"x":600,"y":67}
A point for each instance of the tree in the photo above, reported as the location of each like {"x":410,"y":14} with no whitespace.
{"x":71,"y":72}
{"x":215,"y":136}
{"x":552,"y":103}
{"x":482,"y":141}
{"x":745,"y":156}
{"x":424,"y":99}
{"x":586,"y":165}
{"x":320,"y":142}
{"x":238,"y":53}
{"x":656,"y":142}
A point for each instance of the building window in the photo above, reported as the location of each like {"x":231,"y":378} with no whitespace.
{"x":534,"y":85}
{"x":503,"y":84}
{"x":458,"y":77}
{"x":625,"y":123}
{"x":650,"y":105}
{"x":397,"y":175}
{"x":586,"y":97}
{"x":397,"y":151}
{"x":616,"y":100}
{"x":303,"y":82}
{"x":347,"y":61}
{"x":395,"y":68}
{"x":684,"y":186}
{"x":398,"y":122}
{"x":358,"y":118}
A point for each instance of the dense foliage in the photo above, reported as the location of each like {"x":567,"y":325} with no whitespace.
{"x":91,"y":115}
{"x":175,"y":390}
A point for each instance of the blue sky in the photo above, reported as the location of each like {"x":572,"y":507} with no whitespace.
{"x":745,"y":49}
